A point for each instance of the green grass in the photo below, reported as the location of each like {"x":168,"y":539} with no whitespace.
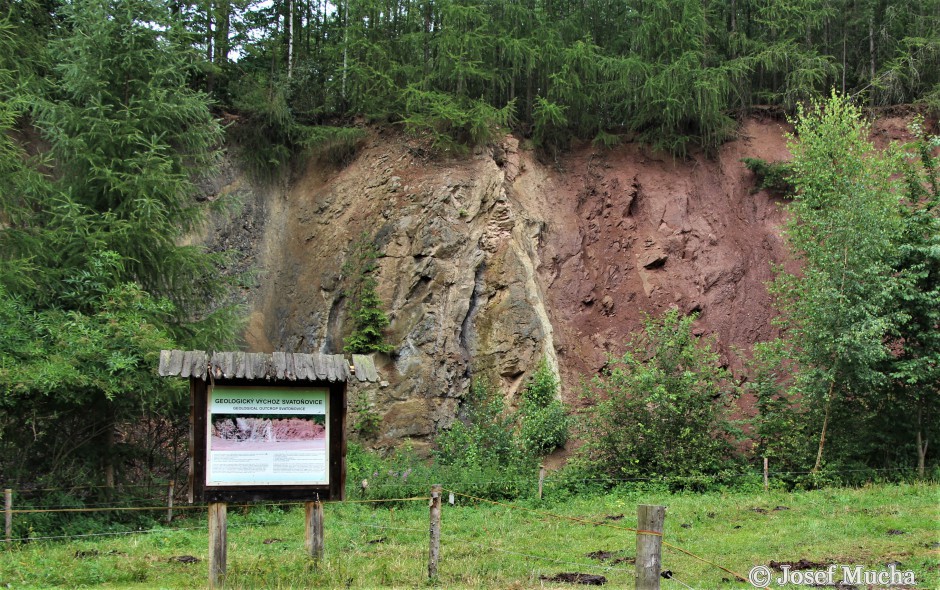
{"x":488,"y":546}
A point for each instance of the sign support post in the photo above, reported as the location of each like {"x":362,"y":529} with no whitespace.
{"x":218,"y":544}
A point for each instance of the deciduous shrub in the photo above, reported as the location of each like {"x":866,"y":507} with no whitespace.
{"x":661,"y":409}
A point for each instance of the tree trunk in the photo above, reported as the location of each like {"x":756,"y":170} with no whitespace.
{"x":290,"y":38}
{"x":921,"y":445}
{"x":210,"y":77}
{"x":345,"y":47}
{"x":825,"y":426}
{"x":106,"y":436}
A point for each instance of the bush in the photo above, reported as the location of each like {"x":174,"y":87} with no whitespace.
{"x":543,"y":419}
{"x":483,"y":452}
{"x":661,"y":409}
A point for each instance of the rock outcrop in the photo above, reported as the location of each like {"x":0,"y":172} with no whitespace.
{"x":495,"y":260}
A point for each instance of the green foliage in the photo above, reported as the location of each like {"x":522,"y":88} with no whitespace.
{"x":482,"y":451}
{"x":783,"y":427}
{"x":661,"y":409}
{"x":549,"y":125}
{"x":399,"y":474}
{"x":844,"y":224}
{"x":914,"y":365}
{"x":453,"y":122}
{"x":543,"y":418}
{"x":773,"y":176}
{"x":96,"y":222}
{"x":269,"y":134}
{"x":369,"y":320}
{"x":367,"y":420}
{"x":674,"y":72}
{"x":56,"y":365}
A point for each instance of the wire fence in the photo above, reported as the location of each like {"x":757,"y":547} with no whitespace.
{"x":424,"y":483}
{"x":373,"y":524}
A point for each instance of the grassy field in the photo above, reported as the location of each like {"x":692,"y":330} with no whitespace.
{"x":489,"y":546}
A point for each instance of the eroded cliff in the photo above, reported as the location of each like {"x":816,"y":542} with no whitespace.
{"x":492,"y":261}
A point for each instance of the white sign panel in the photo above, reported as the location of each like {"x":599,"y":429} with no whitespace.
{"x":267,"y":436}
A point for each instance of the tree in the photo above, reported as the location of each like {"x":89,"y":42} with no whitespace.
{"x":369,"y":320}
{"x":128,"y":138}
{"x":68,"y":377}
{"x":914,"y":364}
{"x":844,"y":224}
{"x":98,"y":228}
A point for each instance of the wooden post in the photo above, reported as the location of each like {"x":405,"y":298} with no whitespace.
{"x":313,"y":528}
{"x":8,"y":514}
{"x":766,"y":478}
{"x":649,"y":542}
{"x":541,"y":479}
{"x":434,"y":551}
{"x":169,"y":501}
{"x":217,"y":544}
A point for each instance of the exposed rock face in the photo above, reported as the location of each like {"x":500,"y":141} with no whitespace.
{"x":493,"y":261}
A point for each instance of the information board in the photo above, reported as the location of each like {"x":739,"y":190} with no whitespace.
{"x":267,"y":436}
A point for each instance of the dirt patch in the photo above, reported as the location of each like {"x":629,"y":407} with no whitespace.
{"x":185,"y":559}
{"x":576,"y":578}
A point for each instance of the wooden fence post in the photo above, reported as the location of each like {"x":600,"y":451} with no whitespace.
{"x":8,"y":514}
{"x":434,"y":551}
{"x":649,"y":542}
{"x":169,"y":501}
{"x":766,"y":478}
{"x":541,"y":479}
{"x":313,"y":527}
{"x":217,"y":544}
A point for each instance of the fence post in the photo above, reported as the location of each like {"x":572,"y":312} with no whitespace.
{"x":8,"y":514}
{"x":649,"y":542}
{"x":217,"y":544}
{"x":766,"y":478}
{"x":541,"y":479}
{"x":313,"y":526}
{"x":434,"y":551}
{"x":169,"y":501}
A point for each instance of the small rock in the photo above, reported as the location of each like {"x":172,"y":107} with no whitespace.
{"x":652,"y":258}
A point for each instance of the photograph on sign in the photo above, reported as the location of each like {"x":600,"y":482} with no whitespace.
{"x":267,"y":436}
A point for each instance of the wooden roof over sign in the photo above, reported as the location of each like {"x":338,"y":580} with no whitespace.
{"x":279,"y":366}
